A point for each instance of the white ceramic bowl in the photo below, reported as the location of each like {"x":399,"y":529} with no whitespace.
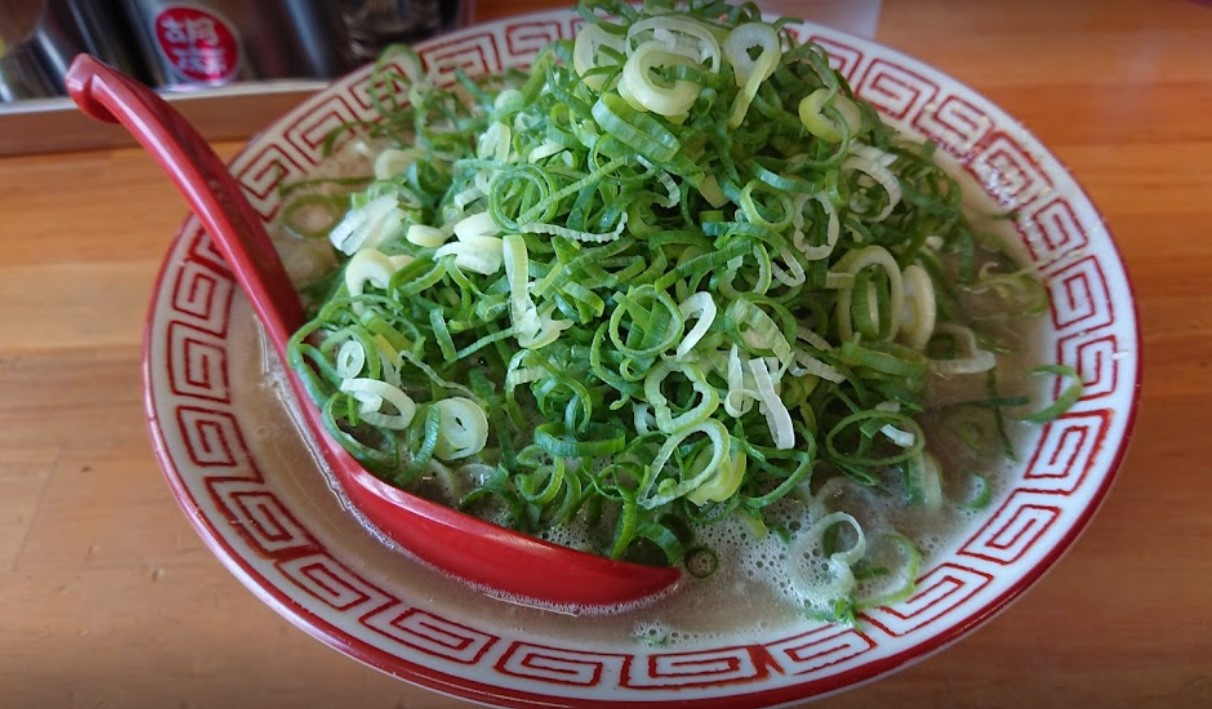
{"x":263,"y":507}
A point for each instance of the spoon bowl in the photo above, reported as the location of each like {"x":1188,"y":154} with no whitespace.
{"x":502,"y":562}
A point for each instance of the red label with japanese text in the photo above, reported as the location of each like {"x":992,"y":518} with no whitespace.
{"x":201,"y":46}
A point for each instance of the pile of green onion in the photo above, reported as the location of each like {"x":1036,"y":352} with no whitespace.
{"x":676,"y":272}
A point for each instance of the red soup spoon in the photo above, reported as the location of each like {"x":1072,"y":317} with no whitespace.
{"x":500,"y":561}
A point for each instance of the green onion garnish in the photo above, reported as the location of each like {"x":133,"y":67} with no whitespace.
{"x":676,"y":273}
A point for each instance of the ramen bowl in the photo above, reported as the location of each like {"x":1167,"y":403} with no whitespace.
{"x":255,"y":492}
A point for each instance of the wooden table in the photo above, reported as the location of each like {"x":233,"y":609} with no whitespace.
{"x":108,"y":598}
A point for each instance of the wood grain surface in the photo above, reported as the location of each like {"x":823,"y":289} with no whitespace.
{"x":108,"y":598}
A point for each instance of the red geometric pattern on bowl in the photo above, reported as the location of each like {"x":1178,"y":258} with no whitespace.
{"x":1066,"y":452}
{"x":564,"y":666}
{"x":202,"y":298}
{"x":1053,"y":230}
{"x":212,"y":438}
{"x":252,"y":528}
{"x":307,"y":133}
{"x":277,"y":165}
{"x":1008,"y":171}
{"x":897,"y":91}
{"x":938,"y":592}
{"x":957,"y":124}
{"x":321,"y":577}
{"x":819,"y":648}
{"x":432,"y":634}
{"x":1081,"y":299}
{"x":475,"y":52}
{"x":197,"y":366}
{"x":1094,"y":354}
{"x":1021,"y":521}
{"x":843,"y":58}
{"x":527,"y":38}
{"x":721,"y":665}
{"x":266,"y":522}
{"x":203,"y":251}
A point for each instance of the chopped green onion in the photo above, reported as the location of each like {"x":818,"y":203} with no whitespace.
{"x":677,"y":273}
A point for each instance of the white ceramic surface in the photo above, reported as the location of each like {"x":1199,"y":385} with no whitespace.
{"x":296,"y":551}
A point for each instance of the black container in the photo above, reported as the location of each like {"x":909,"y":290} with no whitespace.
{"x":39,"y":39}
{"x":22,"y":75}
{"x":375,"y":24}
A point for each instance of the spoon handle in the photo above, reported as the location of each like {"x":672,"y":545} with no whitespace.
{"x":494,"y":558}
{"x":201,"y":176}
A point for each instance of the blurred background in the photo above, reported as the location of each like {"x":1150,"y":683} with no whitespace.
{"x":205,"y":43}
{"x":232,"y":66}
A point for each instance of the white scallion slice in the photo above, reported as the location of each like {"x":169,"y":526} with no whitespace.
{"x":777,"y":416}
{"x":368,"y":226}
{"x":427,"y":236}
{"x":393,"y":161}
{"x":642,"y":418}
{"x":750,"y":71}
{"x":741,"y":395}
{"x":807,"y":365}
{"x":587,"y":52}
{"x":368,"y":266}
{"x":479,"y":224}
{"x":702,"y":307}
{"x":917,"y":322}
{"x":482,"y":254}
{"x":683,"y":35}
{"x":899,"y":437}
{"x":647,"y":92}
{"x":463,"y":430}
{"x":351,"y":358}
{"x":874,"y":162}
{"x":372,"y":394}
